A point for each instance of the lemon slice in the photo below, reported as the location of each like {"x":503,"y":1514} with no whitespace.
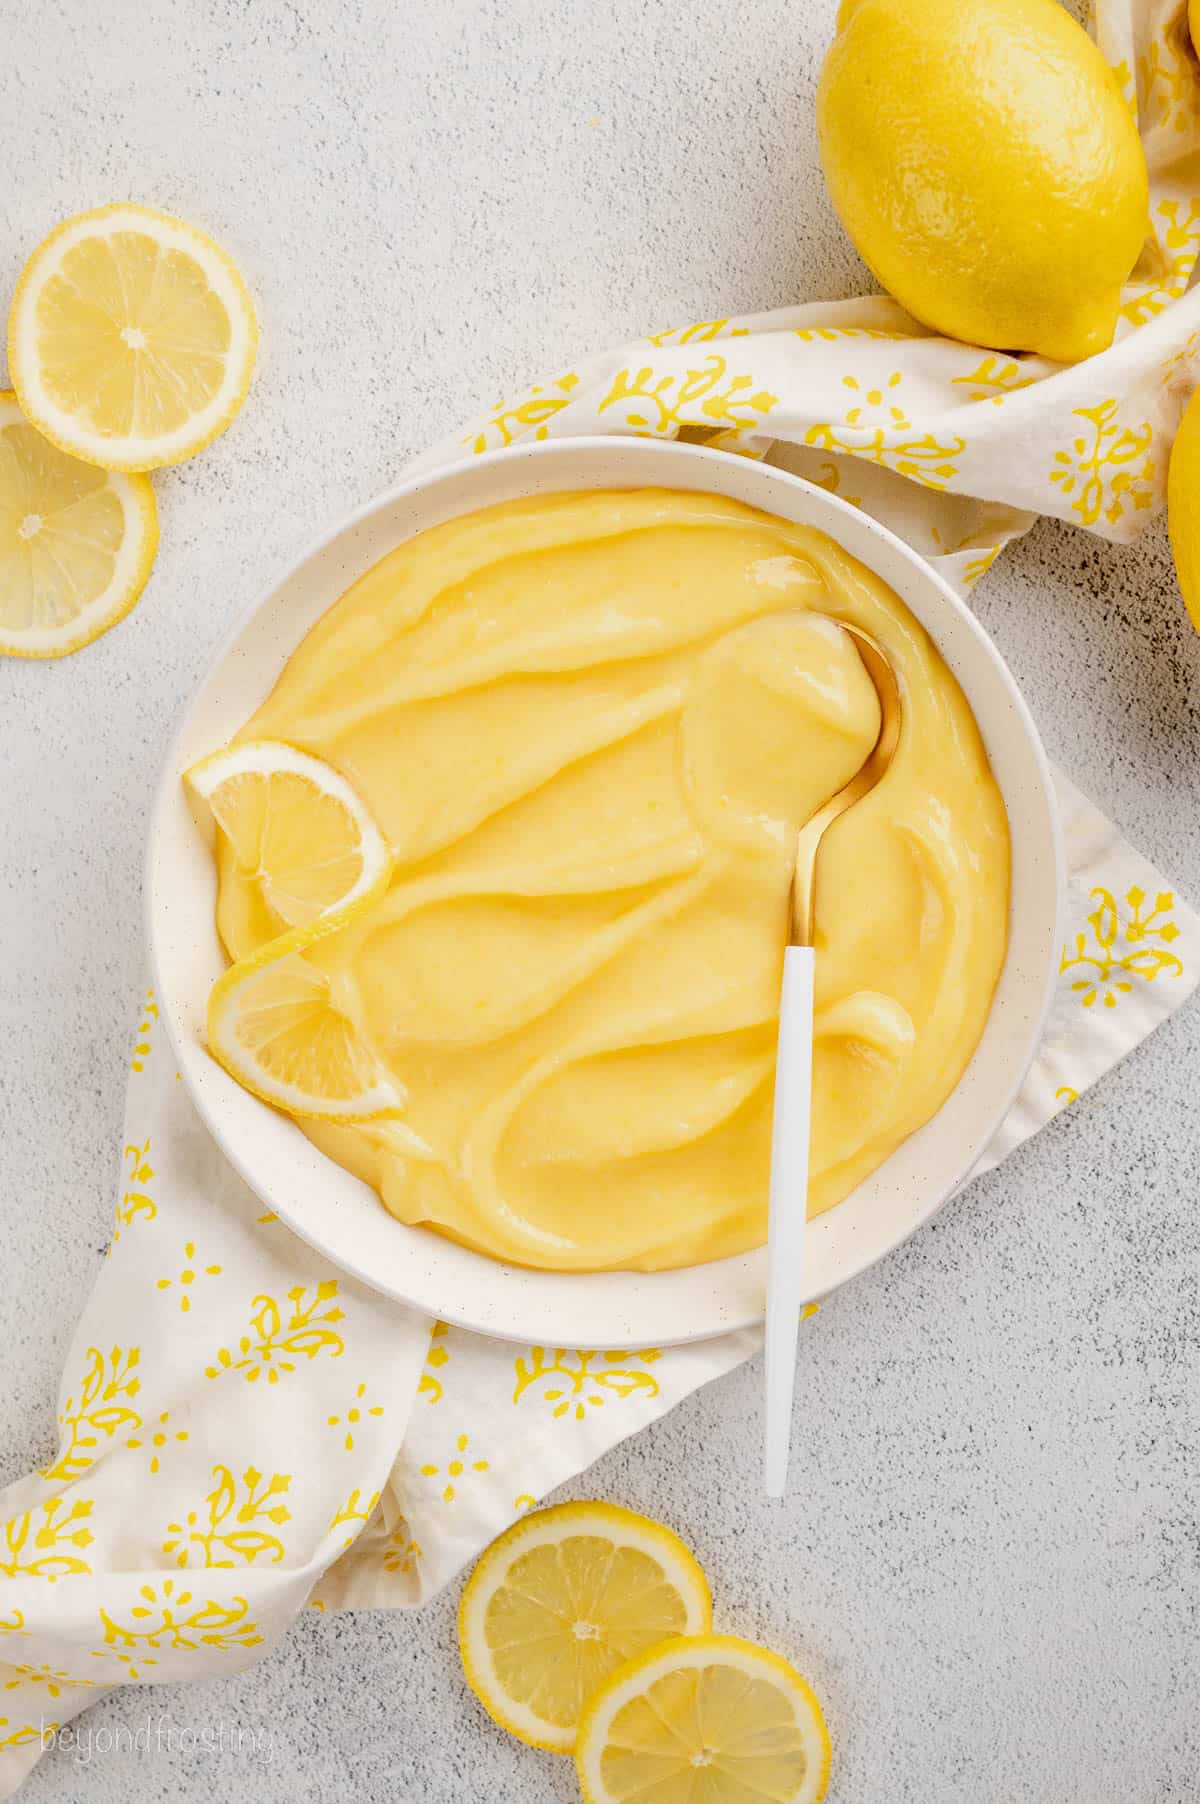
{"x":560,"y":1601}
{"x":275,"y":1025}
{"x":709,"y":1720}
{"x":131,"y":339}
{"x":306,"y":842}
{"x":76,"y":543}
{"x":299,"y":832}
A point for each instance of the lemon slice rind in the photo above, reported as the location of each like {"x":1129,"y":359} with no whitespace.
{"x":231,"y":999}
{"x":131,"y":453}
{"x":625,"y":1530}
{"x":271,"y":1014}
{"x":131,"y":568}
{"x":270,"y":757}
{"x":634,"y":1680}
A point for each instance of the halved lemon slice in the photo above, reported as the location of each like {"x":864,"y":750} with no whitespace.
{"x":708,"y":1720}
{"x":306,"y":843}
{"x":275,"y":1024}
{"x":131,"y":339}
{"x":299,"y":832}
{"x":76,"y":543}
{"x":560,"y":1601}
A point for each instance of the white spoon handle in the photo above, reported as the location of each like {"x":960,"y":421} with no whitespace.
{"x":788,"y":1217}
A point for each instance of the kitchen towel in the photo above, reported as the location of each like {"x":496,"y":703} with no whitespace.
{"x":242,"y":1428}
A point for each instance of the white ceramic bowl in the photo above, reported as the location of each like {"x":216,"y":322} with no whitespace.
{"x":341,"y":1216}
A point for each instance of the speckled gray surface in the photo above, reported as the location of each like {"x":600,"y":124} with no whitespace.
{"x":991,"y":1566}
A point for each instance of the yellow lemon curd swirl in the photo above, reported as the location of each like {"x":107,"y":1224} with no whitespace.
{"x":590,"y":726}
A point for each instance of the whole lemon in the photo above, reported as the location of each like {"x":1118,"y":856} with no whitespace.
{"x":1183,"y":506}
{"x":982,"y":159}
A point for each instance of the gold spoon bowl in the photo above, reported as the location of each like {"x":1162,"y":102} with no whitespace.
{"x":804,"y":877}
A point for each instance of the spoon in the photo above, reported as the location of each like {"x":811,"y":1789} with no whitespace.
{"x":787,"y":1220}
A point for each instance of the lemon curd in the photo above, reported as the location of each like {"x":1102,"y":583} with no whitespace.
{"x":589,"y":727}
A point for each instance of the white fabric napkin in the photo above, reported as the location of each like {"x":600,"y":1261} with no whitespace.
{"x":243,"y":1429}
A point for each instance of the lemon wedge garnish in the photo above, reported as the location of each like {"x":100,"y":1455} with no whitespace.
{"x":706,"y":1720}
{"x":276,"y":1026}
{"x":560,"y":1601}
{"x":131,"y":338}
{"x":76,"y":543}
{"x":298,"y":831}
{"x":305,"y":840}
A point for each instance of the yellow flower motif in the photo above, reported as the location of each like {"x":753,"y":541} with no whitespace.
{"x":141,"y":1051}
{"x":925,"y":460}
{"x":703,"y":332}
{"x":27,"y":1551}
{"x":265,"y":1220}
{"x":1066,"y":1095}
{"x":568,"y":1381}
{"x":508,"y":424}
{"x":1140,"y":927}
{"x":354,"y":1510}
{"x":135,"y":1202}
{"x":656,"y":406}
{"x":830,"y":477}
{"x":1107,"y":467}
{"x":354,"y":1415}
{"x":828,"y":334}
{"x":189,"y":1275}
{"x":437,"y":1356}
{"x":157,"y":1439}
{"x":1178,"y":367}
{"x":12,"y":1625}
{"x":20,"y":1737}
{"x":229,"y":1536}
{"x":985,"y":555}
{"x":136,"y":1665}
{"x":402,"y":1556}
{"x":99,"y":1411}
{"x":875,"y":400}
{"x":979,"y":566}
{"x":1125,"y":81}
{"x":1166,"y":263}
{"x":524,"y":1502}
{"x":274,"y":1344}
{"x":401,"y":1553}
{"x":455,"y":1468}
{"x":48,"y":1676}
{"x":168,"y":1618}
{"x":1110,"y":970}
{"x":993,"y":379}
{"x":1167,"y":76}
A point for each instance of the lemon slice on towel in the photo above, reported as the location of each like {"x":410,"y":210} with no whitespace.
{"x":560,"y":1601}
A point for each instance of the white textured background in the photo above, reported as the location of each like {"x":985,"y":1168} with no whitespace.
{"x":991,"y":1567}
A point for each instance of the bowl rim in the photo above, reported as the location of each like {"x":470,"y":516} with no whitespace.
{"x":427,"y":475}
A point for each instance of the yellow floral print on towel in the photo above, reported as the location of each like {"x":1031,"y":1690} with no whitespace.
{"x":1117,"y":949}
{"x":202,"y":1490}
{"x":955,"y":447}
{"x":372,"y":1452}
